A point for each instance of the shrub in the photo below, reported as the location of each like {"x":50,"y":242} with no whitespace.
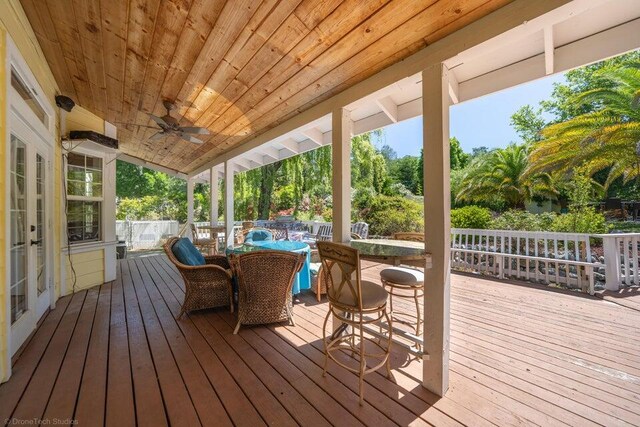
{"x":470,"y":217}
{"x":391,"y":214}
{"x":583,"y":220}
{"x":523,"y":220}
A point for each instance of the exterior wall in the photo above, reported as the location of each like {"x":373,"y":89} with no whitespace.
{"x":13,"y":21}
{"x":89,"y":270}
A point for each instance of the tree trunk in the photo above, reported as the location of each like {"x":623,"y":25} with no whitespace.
{"x":266,"y":188}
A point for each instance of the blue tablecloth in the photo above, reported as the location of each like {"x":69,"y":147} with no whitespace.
{"x":303,"y":278}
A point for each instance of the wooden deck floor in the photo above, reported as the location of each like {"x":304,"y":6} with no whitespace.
{"x":520,"y":355}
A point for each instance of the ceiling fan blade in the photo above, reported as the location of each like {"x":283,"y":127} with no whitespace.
{"x":189,"y":138}
{"x":195,"y":129}
{"x":158,"y":120}
{"x":157,"y":135}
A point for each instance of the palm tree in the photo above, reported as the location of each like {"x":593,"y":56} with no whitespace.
{"x":607,"y":137}
{"x":500,"y":175}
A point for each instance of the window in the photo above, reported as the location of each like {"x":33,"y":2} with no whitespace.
{"x":84,"y":198}
{"x":28,"y":97}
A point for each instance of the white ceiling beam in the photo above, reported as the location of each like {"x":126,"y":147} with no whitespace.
{"x":548,"y":50}
{"x":253,"y":157}
{"x":606,"y":44}
{"x":388,"y":107}
{"x":242,"y":164}
{"x":315,"y":135}
{"x":557,"y":14}
{"x":290,"y":145}
{"x":270,"y":153}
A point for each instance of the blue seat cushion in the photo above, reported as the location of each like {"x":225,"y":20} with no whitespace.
{"x":186,"y":253}
{"x":258,"y":236}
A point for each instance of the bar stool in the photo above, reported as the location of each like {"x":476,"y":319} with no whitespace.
{"x":350,"y":300}
{"x":405,"y":282}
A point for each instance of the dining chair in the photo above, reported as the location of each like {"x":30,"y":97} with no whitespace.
{"x":356,"y":303}
{"x":265,"y":279}
{"x":361,"y":229}
{"x":405,"y":282}
{"x":207,"y":280}
{"x":280,"y":233}
{"x":210,"y":245}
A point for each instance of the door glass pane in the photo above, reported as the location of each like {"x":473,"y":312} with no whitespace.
{"x":19,"y":234}
{"x":40,"y":223}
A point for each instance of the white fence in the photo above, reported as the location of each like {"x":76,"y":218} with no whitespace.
{"x":621,"y":259}
{"x":586,"y":262}
{"x":561,"y":258}
{"x":146,"y":234}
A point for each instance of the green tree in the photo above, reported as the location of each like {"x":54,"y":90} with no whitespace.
{"x":528,"y":123}
{"x":605,"y":133}
{"x":458,"y":159}
{"x":500,"y":176}
{"x":405,"y":171}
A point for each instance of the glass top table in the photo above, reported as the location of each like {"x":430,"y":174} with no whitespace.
{"x":393,"y":252}
{"x":302,"y":279}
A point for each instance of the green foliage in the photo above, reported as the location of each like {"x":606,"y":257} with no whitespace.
{"x":584,"y":220}
{"x":500,"y":175}
{"x":458,"y":159}
{"x":597,"y":123}
{"x":528,"y":123}
{"x":470,"y":217}
{"x":390,"y":214}
{"x":405,"y":171}
{"x":144,"y":194}
{"x":515,"y":219}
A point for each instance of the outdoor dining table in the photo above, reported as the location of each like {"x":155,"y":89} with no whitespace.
{"x":394,"y":252}
{"x":303,"y":277}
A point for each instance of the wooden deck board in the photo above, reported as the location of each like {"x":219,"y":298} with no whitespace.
{"x":520,"y":355}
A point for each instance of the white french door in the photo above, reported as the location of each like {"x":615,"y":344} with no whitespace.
{"x":30,"y":244}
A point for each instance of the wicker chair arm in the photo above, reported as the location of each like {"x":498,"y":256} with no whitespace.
{"x":219,"y":260}
{"x":198,"y":273}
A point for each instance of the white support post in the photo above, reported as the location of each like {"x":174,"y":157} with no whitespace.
{"x":435,"y":107}
{"x":341,"y":164}
{"x":213,"y":196}
{"x":611,"y":248}
{"x":228,"y":203}
{"x":190,"y":184}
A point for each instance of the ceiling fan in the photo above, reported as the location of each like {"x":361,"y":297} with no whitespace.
{"x":169,"y":126}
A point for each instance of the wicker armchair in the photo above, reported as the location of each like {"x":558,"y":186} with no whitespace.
{"x":265,"y":279}
{"x":206,"y":286}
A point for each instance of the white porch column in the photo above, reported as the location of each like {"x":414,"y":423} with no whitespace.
{"x":228,"y":203}
{"x":190,"y":184}
{"x":213,"y":196}
{"x":437,"y":205}
{"x":341,"y":166}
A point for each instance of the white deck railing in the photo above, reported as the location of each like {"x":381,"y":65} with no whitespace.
{"x":621,"y":259}
{"x":542,"y":257}
{"x":568,"y":259}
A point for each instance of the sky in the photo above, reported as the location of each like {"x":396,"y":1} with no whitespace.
{"x":481,"y":122}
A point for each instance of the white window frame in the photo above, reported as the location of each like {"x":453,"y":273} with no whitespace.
{"x":83,"y":151}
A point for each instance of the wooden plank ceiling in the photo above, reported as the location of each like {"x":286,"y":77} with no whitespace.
{"x":237,"y":67}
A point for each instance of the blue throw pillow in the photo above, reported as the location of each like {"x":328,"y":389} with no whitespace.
{"x":186,"y":253}
{"x":258,"y":236}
